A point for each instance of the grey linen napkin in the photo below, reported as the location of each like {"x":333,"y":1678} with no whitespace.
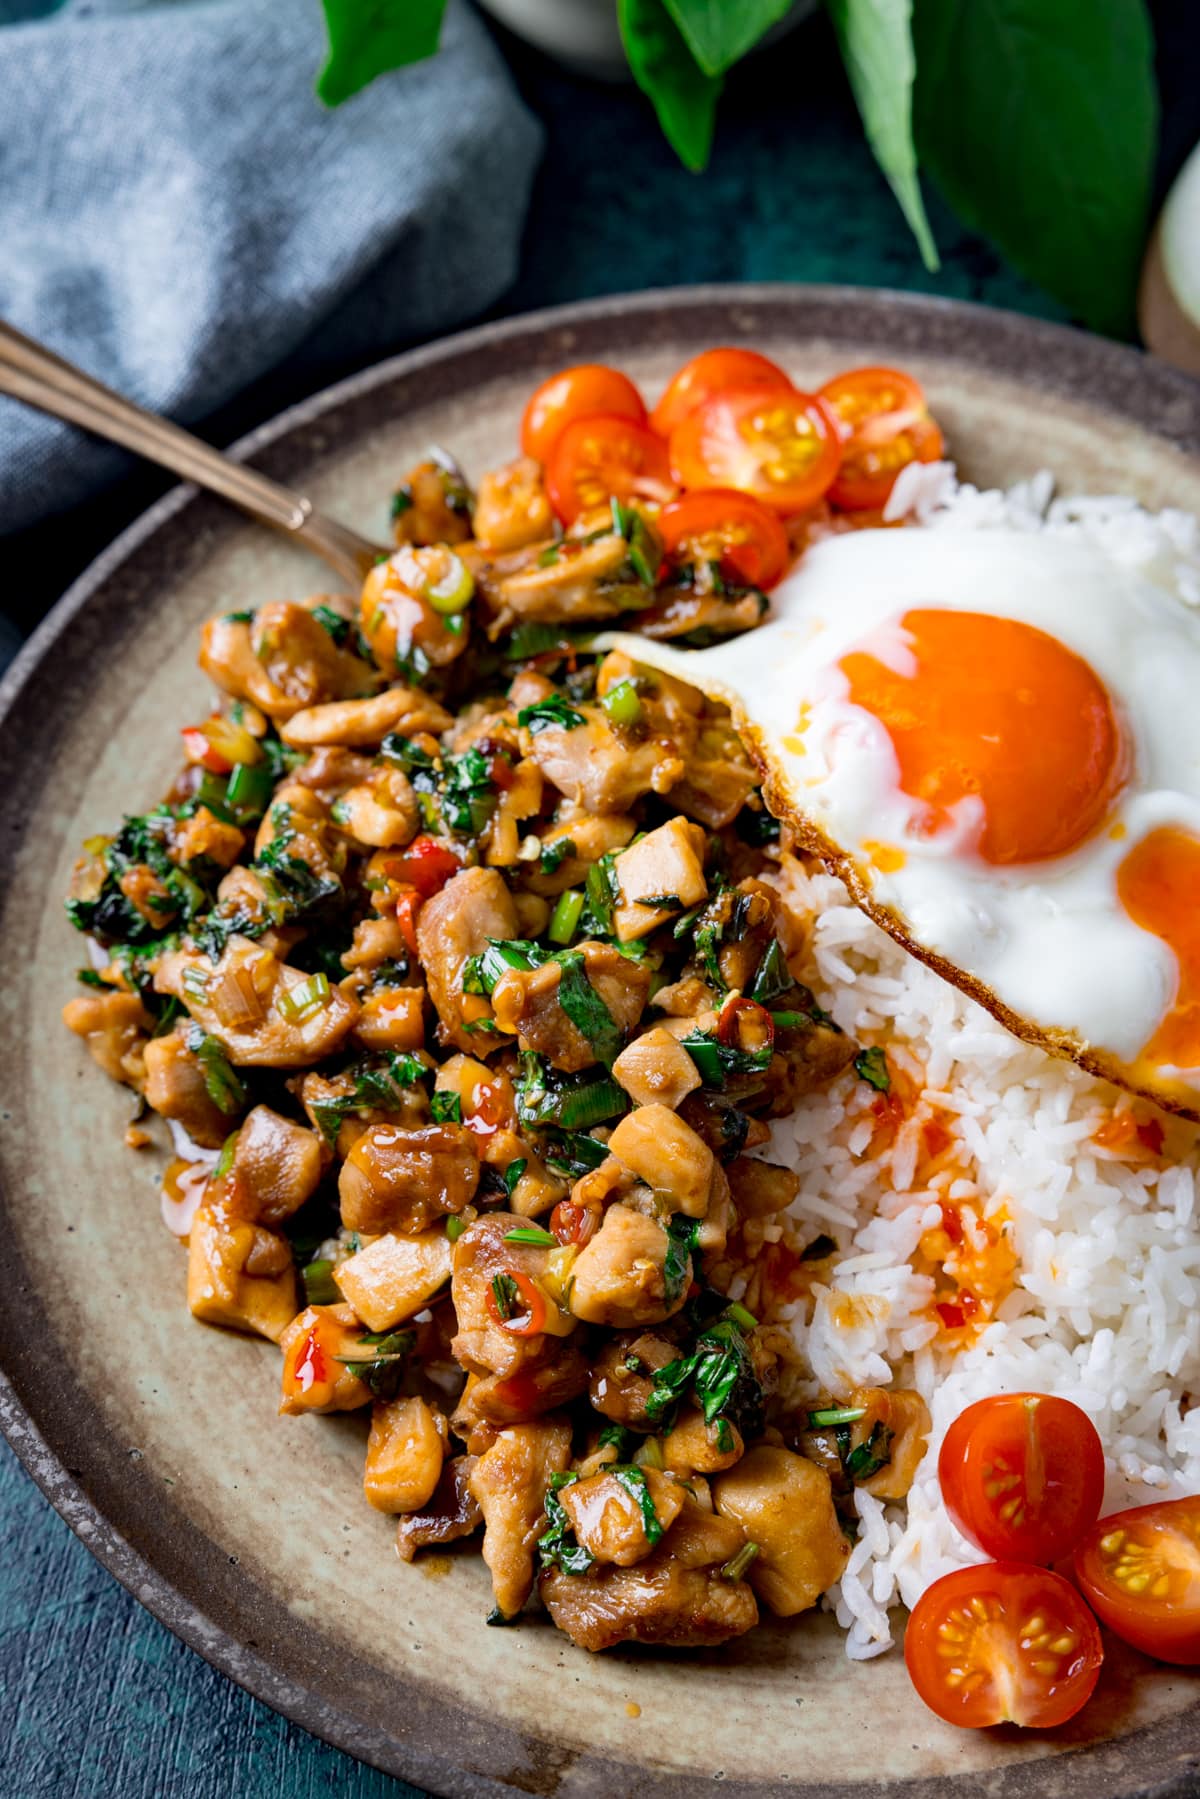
{"x":178,"y":213}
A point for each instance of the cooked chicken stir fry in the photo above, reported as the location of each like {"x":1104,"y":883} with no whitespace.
{"x":453,"y":957}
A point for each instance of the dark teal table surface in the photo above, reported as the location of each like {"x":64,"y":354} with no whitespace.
{"x":97,"y":1700}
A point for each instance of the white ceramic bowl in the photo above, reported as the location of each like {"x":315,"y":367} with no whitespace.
{"x":584,"y":34}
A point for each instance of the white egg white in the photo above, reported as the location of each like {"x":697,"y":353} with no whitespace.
{"x":1047,"y":941}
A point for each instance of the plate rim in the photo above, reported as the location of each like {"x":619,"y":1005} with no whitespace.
{"x":1144,"y":383}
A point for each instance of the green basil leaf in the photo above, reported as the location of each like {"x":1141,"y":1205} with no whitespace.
{"x":369,"y":37}
{"x":1039,"y":124}
{"x":871,"y":1065}
{"x":585,"y":1009}
{"x":683,"y":96}
{"x":875,"y":37}
{"x":720,"y":32}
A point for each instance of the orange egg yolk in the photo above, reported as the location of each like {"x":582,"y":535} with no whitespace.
{"x":996,"y":710}
{"x":1157,"y":884}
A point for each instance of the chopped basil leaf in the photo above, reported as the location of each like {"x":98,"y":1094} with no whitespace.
{"x":585,"y":1008}
{"x":681,"y":1241}
{"x":333,"y":622}
{"x":771,"y":977}
{"x":511,"y":1176}
{"x":871,"y":1066}
{"x":553,"y":713}
{"x":871,"y":1456}
{"x":556,"y":1546}
{"x":554,"y":854}
{"x":446,"y":1107}
{"x":220,"y":1082}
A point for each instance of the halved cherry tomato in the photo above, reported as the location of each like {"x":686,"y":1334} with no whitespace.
{"x":598,"y":457}
{"x":857,"y":395}
{"x":874,"y":457}
{"x":713,"y":372}
{"x":526,"y":1323}
{"x":586,"y":391}
{"x":740,"y":534}
{"x":424,"y":864}
{"x":1141,"y":1571}
{"x":781,"y":447}
{"x":574,"y":1225}
{"x":1003,"y":1643}
{"x":1022,"y":1475}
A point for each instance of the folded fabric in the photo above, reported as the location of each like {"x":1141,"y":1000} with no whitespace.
{"x":178,"y":213}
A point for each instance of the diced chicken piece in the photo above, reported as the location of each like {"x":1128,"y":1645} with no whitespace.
{"x":205,"y":835}
{"x":394,"y":1278}
{"x":597,"y":769}
{"x":580,"y":840}
{"x":405,"y":1452}
{"x":452,"y":1512}
{"x":406,"y":633}
{"x":584,"y":581}
{"x":509,"y":1483}
{"x":677,"y":1597}
{"x":620,"y":1276}
{"x":654,"y":1068}
{"x":679,"y":612}
{"x":367,"y":721}
{"x":725,"y":1129}
{"x":743,"y":920}
{"x":282,"y":660}
{"x":713,"y":1229}
{"x":554,"y":1379}
{"x":667,"y":1154}
{"x":892,"y":1433}
{"x":277,"y":1165}
{"x":331,"y":770}
{"x":176,"y":1087}
{"x":693,"y":1447}
{"x":608,"y":1513}
{"x":720,"y":777}
{"x":659,"y":876}
{"x":453,"y":926}
{"x":784,"y":1504}
{"x":433,"y":503}
{"x":622,"y":1377}
{"x":806,"y":1057}
{"x":237,"y":999}
{"x":380,"y":813}
{"x":240,"y":1275}
{"x":403,"y":1180}
{"x":392,"y":1018}
{"x":527,"y":1004}
{"x":115,"y":1026}
{"x":482,"y":1253}
{"x":376,"y":940}
{"x":512,"y":509}
{"x":760,"y":1189}
{"x":242,"y":900}
{"x":319,"y":1345}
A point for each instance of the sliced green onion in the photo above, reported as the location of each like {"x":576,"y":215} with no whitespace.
{"x":454,"y":591}
{"x":249,"y":790}
{"x":455,"y":1228}
{"x":304,"y":1000}
{"x":564,"y":920}
{"x":195,"y":982}
{"x":737,"y":1564}
{"x":319,"y":1287}
{"x":622,"y":704}
{"x":225,"y":1159}
{"x":534,"y":1236}
{"x":741,"y":1315}
{"x":836,"y":1415}
{"x":790,"y":1021}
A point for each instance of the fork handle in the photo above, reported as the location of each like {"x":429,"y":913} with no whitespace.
{"x":35,"y":375}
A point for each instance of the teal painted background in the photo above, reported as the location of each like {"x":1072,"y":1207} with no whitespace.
{"x":97,"y":1699}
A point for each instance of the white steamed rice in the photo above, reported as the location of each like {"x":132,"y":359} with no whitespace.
{"x":1104,"y":1302}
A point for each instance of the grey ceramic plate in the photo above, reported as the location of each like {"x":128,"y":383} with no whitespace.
{"x":156,"y":1439}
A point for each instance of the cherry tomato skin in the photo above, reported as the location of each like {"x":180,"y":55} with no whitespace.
{"x":1160,"y":1615}
{"x":745,"y":537}
{"x":1003,"y":1643}
{"x":782,"y":448}
{"x":1022,"y":1476}
{"x":860,"y":394}
{"x":872,"y":459}
{"x":712,"y":372}
{"x":596,"y":458}
{"x":582,"y":392}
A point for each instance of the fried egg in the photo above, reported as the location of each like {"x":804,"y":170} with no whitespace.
{"x":994,"y":737}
